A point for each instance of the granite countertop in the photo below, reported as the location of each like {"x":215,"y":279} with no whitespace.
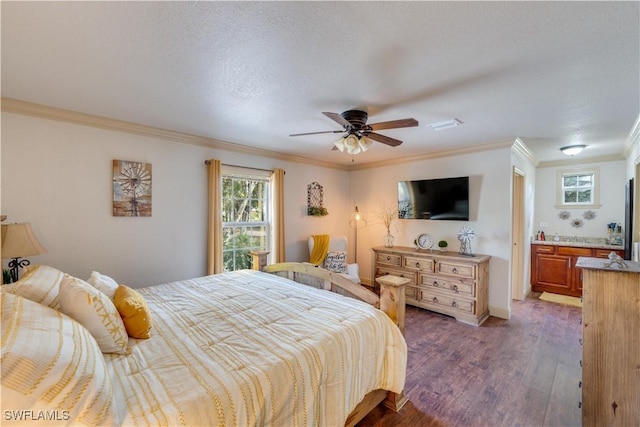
{"x":606,"y":264}
{"x":579,"y":242}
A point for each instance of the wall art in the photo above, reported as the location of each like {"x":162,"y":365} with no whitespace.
{"x":589,"y":215}
{"x":131,"y":188}
{"x":564,"y":215}
{"x":315,"y":194}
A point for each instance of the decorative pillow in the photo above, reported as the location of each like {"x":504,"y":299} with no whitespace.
{"x":336,"y":261}
{"x":39,"y":283}
{"x":95,"y":311}
{"x":51,"y":367}
{"x":103,"y":283}
{"x":134,"y":312}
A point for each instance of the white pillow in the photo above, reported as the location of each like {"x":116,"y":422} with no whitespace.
{"x":52,"y":366}
{"x":336,"y":261}
{"x":104,"y":284}
{"x":39,"y":283}
{"x":95,"y":311}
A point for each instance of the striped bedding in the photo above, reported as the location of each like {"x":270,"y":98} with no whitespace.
{"x":249,"y":348}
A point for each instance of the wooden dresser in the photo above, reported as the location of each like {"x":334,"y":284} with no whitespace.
{"x":611,"y":343}
{"x":445,"y":282}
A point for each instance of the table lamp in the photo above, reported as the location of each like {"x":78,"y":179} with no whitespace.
{"x":18,"y":241}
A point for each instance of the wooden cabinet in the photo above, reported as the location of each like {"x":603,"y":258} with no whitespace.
{"x":553,"y":267}
{"x":445,"y":282}
{"x":611,"y":344}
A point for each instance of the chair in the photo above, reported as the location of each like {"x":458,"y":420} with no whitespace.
{"x":338,"y":243}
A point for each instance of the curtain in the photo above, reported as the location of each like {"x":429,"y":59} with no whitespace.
{"x":278,"y":215}
{"x":214,"y":238}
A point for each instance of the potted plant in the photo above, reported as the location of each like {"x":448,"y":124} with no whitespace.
{"x":442,"y":244}
{"x":386,"y":216}
{"x":317,"y":211}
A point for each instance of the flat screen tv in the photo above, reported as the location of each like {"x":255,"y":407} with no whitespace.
{"x":436,"y":199}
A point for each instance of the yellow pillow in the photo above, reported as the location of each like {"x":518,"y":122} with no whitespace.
{"x":134,"y":312}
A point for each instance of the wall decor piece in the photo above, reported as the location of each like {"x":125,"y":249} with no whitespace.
{"x":564,"y":215}
{"x":589,"y":215}
{"x":131,"y":188}
{"x":576,"y":223}
{"x":465,"y":236}
{"x":315,"y":194}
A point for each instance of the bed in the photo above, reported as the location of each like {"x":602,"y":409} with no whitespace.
{"x":240,"y":348}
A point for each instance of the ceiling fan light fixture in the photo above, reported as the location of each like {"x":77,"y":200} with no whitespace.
{"x":572,"y":150}
{"x":339,"y":144}
{"x":447,"y":124}
{"x":352,"y":145}
{"x":364,"y":143}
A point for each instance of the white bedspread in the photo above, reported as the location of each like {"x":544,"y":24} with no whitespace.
{"x":249,"y":348}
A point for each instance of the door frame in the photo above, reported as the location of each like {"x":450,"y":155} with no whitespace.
{"x":517,"y":235}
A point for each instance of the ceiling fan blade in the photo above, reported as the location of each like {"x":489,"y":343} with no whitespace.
{"x":316,"y":133}
{"x":384,"y":139}
{"x":393,"y":124}
{"x":338,"y":118}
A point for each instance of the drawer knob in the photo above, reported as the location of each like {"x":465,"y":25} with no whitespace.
{"x":454,"y":304}
{"x":435,"y":284}
{"x":417,"y":265}
{"x":455,"y":288}
{"x":388,"y":258}
{"x":454,"y":271}
{"x":435,"y":299}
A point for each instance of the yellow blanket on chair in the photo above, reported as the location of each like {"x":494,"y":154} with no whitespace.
{"x":320,"y":248}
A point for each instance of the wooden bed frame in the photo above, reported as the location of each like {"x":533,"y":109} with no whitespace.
{"x":391,"y":301}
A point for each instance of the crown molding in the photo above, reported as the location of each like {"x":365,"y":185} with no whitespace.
{"x":581,"y":161}
{"x":25,"y":108}
{"x":16,"y":106}
{"x":465,"y":150}
{"x":633,"y":139}
{"x":520,"y":148}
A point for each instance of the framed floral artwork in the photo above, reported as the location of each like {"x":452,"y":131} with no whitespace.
{"x":131,"y":188}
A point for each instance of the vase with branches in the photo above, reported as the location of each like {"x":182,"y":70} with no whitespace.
{"x":386,"y":215}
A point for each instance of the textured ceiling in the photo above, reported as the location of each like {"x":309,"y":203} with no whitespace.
{"x":251,"y":73}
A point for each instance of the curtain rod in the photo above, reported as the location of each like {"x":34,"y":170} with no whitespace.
{"x":207,"y":162}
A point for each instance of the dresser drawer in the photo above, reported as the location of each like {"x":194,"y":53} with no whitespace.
{"x":604,"y":253}
{"x":460,"y":270}
{"x":454,"y":303}
{"x":420,"y":264}
{"x":383,"y":271}
{"x":460,"y":286}
{"x":569,"y":250}
{"x":388,"y":259}
{"x":411,"y":293}
{"x":541,"y":249}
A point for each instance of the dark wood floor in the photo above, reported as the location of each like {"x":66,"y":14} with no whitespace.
{"x":520,"y":372}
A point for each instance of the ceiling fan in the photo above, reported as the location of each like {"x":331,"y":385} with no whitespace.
{"x":358,"y":134}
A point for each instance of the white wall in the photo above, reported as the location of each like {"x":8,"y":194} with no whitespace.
{"x":490,"y":214}
{"x":612,"y":186}
{"x":57,"y":176}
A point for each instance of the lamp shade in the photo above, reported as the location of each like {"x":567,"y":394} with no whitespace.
{"x":357,"y":219}
{"x":19,"y":241}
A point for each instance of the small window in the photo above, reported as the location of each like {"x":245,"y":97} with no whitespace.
{"x":578,"y":189}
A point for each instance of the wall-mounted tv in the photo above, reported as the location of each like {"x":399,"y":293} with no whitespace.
{"x":436,"y":199}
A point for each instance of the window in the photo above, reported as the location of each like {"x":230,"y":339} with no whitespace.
{"x":578,"y":189}
{"x":246,"y":217}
